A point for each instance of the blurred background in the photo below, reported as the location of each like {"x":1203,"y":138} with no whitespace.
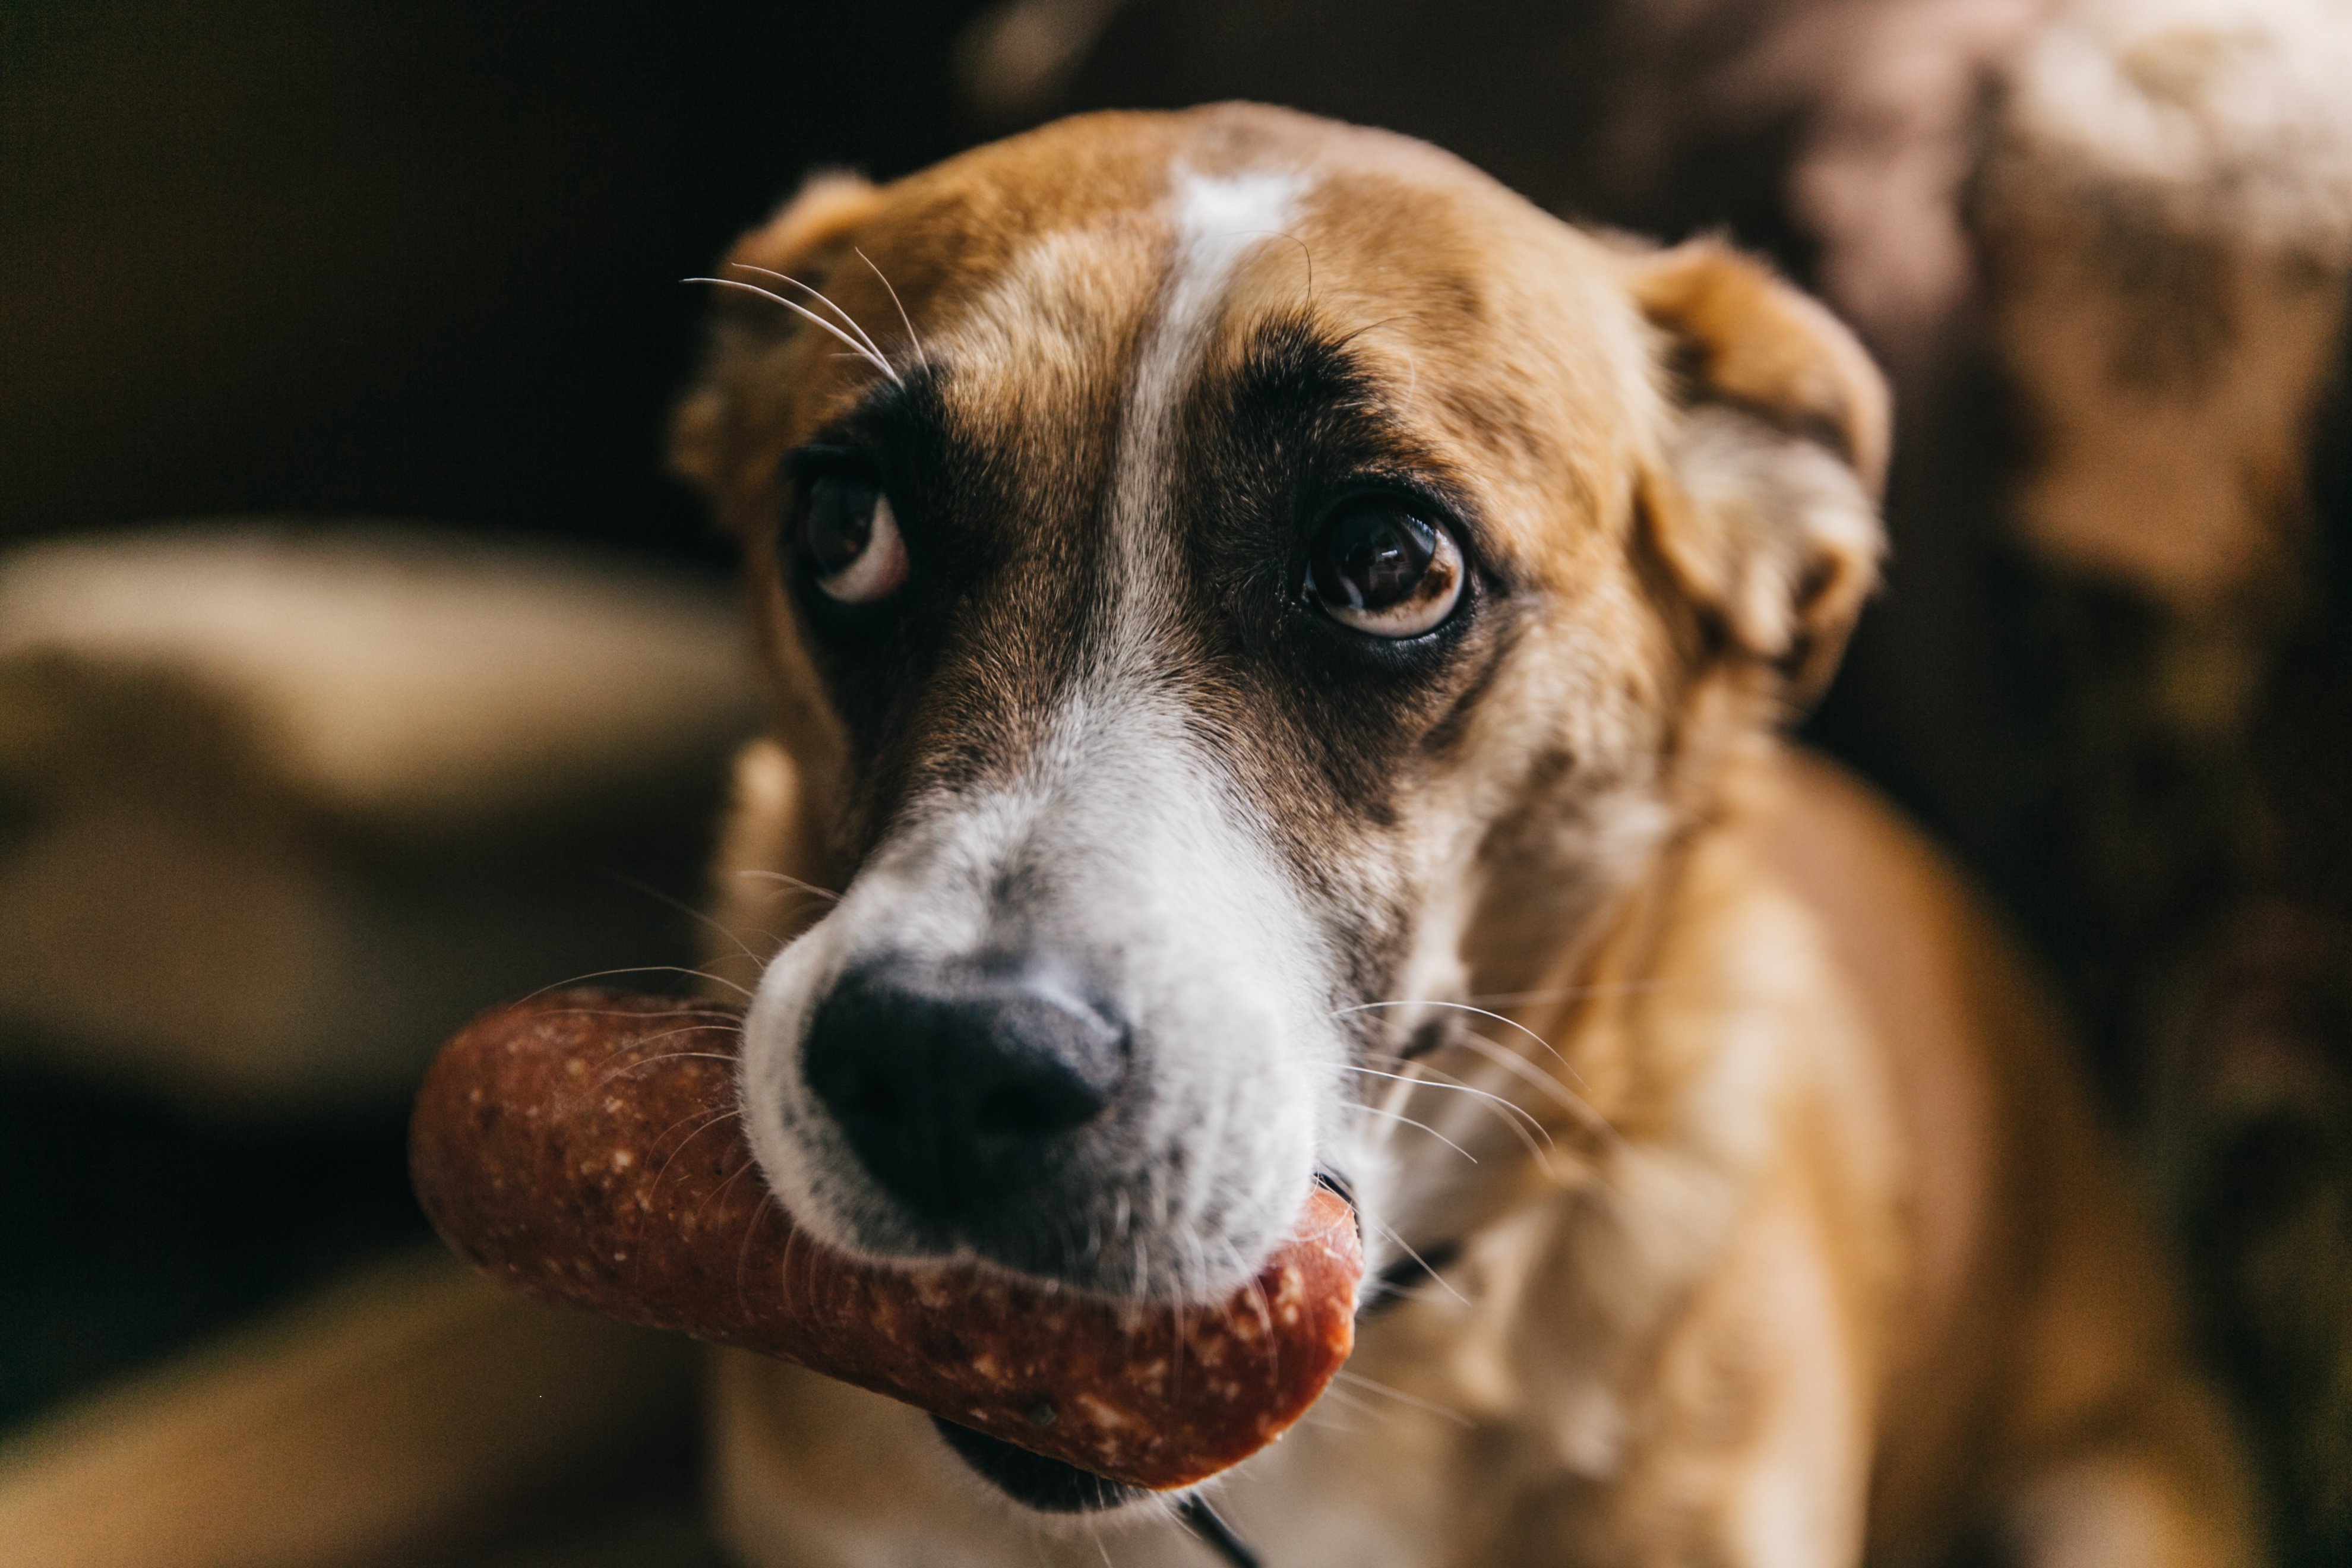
{"x":360,"y":667}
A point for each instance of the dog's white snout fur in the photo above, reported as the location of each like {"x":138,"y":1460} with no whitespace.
{"x":1117,"y":855}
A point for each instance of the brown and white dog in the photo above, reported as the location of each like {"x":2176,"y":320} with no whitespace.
{"x":1278,"y":644}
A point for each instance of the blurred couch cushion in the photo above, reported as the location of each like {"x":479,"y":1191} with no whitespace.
{"x":280,"y":804}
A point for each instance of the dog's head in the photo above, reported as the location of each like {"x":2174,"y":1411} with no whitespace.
{"x":1211,"y":563}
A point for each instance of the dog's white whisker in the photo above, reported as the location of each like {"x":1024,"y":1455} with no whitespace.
{"x":1520,"y":1114}
{"x":1508,"y":1023}
{"x":1335,"y":1394}
{"x":1373,"y":1385}
{"x":718,"y":1016}
{"x":714,"y":1119}
{"x":922,"y":356}
{"x":750,"y":1229}
{"x":1402,"y":1244}
{"x":1574,"y":993}
{"x":1331,"y":1415}
{"x":682,"y":906}
{"x":635,"y":1063}
{"x":1518,"y":1067}
{"x":747,"y":1162}
{"x":791,"y":881}
{"x":1522,"y":1123}
{"x":1397,"y":1097}
{"x":1409,"y":1121}
{"x":822,"y":298}
{"x":851,"y":344}
{"x":643,"y":969}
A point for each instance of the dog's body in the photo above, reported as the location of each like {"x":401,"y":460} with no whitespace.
{"x":1280,"y":658}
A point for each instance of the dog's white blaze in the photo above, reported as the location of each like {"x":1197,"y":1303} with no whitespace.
{"x":1219,"y":221}
{"x":1119,"y":848}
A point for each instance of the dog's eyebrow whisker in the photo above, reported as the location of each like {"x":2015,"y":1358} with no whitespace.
{"x":1303,"y":250}
{"x":1373,"y":1386}
{"x":922,"y":356}
{"x":860,"y":350}
{"x":1508,"y":1023}
{"x":820,"y":296}
{"x":1371,"y":327}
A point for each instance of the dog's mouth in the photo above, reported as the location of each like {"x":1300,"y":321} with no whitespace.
{"x":1049,"y":1485}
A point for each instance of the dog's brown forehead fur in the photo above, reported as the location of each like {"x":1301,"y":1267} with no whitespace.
{"x":1036,"y":269}
{"x":1468,"y":339}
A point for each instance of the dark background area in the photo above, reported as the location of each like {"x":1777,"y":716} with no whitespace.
{"x":414,"y":261}
{"x":411,"y":259}
{"x":423,"y":260}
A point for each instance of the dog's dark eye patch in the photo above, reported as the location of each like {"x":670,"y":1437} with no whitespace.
{"x":948,"y":677}
{"x":1328,"y":504}
{"x":1324,"y":504}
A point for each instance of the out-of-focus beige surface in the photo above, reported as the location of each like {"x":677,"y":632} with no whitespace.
{"x":378,"y":1419}
{"x":280,"y":805}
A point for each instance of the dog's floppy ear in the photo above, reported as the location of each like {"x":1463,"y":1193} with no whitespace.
{"x":1767,"y":512}
{"x":798,"y":240}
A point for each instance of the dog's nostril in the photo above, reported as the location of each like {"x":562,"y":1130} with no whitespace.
{"x":1037,"y":1107}
{"x":958,"y":1089}
{"x":874,"y":1096}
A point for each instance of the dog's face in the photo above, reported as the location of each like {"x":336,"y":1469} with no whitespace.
{"x":1231,"y":558}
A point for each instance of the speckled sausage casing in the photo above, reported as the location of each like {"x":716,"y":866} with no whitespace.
{"x":582,"y":1145}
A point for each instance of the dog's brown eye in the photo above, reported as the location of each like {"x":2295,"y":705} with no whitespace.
{"x":1381,"y":570}
{"x":850,"y":537}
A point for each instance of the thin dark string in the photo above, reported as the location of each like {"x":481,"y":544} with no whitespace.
{"x":1203,"y":1521}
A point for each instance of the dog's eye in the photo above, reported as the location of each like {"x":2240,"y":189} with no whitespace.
{"x":1380,"y":569}
{"x":850,"y":536}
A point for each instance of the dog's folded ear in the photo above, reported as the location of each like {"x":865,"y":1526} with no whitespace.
{"x":1766,"y":511}
{"x":805,"y":239}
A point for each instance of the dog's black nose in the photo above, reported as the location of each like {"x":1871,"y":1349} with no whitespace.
{"x":958,"y":1089}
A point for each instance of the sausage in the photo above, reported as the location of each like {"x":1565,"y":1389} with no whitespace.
{"x":584,"y":1145}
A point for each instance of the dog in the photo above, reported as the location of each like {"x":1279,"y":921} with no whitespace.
{"x":1278,"y":654}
